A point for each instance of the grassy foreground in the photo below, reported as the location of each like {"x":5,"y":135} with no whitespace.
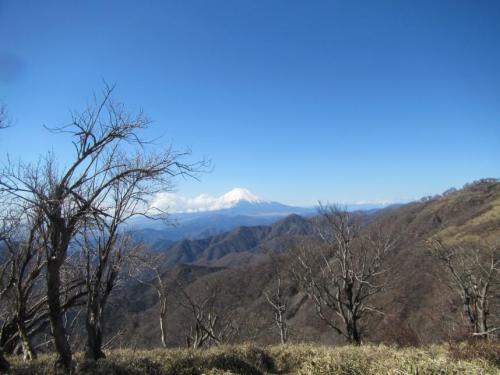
{"x":289,"y":359}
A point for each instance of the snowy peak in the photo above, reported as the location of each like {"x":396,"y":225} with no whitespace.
{"x":175,"y":203}
{"x":238,"y":195}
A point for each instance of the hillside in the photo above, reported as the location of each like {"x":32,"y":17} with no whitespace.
{"x":417,"y":306}
{"x":247,"y":242}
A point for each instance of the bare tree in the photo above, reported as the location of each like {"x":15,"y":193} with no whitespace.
{"x":277,"y":300}
{"x":24,"y":302}
{"x":342,"y":269}
{"x":25,"y":299}
{"x":145,"y":267}
{"x":210,"y":324}
{"x":108,"y":153}
{"x":104,"y":250}
{"x":6,"y":276}
{"x":163,"y":292}
{"x":6,"y":283}
{"x":103,"y":258}
{"x":279,"y":306}
{"x":473,"y":271}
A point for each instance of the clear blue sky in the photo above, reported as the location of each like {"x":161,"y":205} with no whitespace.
{"x":294,"y":100}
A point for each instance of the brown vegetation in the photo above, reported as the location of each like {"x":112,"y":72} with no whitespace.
{"x":283,"y":359}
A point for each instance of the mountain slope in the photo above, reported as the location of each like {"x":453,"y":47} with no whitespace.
{"x":417,"y":307}
{"x":250,"y":240}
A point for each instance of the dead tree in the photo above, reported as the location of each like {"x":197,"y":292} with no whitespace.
{"x":473,"y":272}
{"x":342,"y":269}
{"x":108,"y":152}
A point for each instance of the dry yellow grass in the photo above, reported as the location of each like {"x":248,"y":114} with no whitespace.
{"x":468,"y":231}
{"x":288,"y":359}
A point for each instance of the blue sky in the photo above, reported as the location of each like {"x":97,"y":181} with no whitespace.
{"x":297,"y":101}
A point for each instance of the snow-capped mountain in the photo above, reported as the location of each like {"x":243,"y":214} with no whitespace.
{"x":236,"y":201}
{"x":205,"y":215}
{"x":239,"y":195}
{"x":176,"y":203}
{"x":242,"y":202}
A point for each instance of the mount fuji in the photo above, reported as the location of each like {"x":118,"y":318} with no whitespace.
{"x":205,"y":216}
{"x":241,"y":201}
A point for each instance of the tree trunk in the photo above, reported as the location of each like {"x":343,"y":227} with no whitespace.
{"x":29,"y":353}
{"x":481,"y":319}
{"x":4,"y":364}
{"x":353,"y":332}
{"x":163,"y":318}
{"x":93,"y":349}
{"x":283,"y":333}
{"x":356,"y":337}
{"x":61,"y":343}
{"x":163,"y":333}
{"x":280,"y":321}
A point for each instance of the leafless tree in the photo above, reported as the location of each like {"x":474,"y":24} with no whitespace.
{"x":6,"y":283}
{"x":342,"y":269}
{"x":146,"y":268}
{"x":25,"y":299}
{"x":473,"y":271}
{"x":277,"y":300}
{"x":210,"y":324}
{"x":103,"y":254}
{"x":6,"y":274}
{"x":279,"y":306}
{"x":105,"y":250}
{"x":163,"y":292}
{"x":24,"y":302}
{"x":108,"y":153}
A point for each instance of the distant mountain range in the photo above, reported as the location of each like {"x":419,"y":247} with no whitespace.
{"x":238,"y":207}
{"x":241,"y":245}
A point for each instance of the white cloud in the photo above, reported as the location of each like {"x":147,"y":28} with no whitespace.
{"x":175,"y":203}
{"x":374,"y":202}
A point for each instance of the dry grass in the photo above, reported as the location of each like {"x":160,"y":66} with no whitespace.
{"x":478,"y":227}
{"x":288,"y":359}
